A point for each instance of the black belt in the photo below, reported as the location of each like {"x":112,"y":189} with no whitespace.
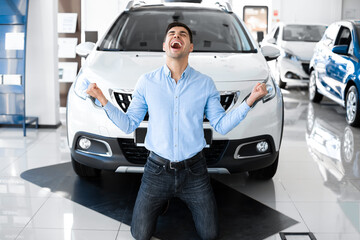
{"x":176,"y":165}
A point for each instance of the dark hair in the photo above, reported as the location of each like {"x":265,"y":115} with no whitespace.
{"x":179,"y":24}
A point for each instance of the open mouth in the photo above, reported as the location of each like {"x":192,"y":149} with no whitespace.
{"x":176,"y":45}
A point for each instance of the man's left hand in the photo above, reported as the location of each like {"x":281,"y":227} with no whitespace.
{"x":257,"y":93}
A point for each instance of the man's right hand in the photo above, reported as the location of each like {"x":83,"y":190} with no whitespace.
{"x":96,"y":92}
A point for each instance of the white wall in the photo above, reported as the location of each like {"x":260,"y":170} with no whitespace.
{"x":97,"y":15}
{"x":351,"y":9}
{"x":42,"y":84}
{"x":310,"y":11}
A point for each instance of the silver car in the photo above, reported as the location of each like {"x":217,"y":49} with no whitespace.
{"x":296,"y":43}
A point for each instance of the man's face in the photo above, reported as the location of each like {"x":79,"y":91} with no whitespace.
{"x":177,"y":43}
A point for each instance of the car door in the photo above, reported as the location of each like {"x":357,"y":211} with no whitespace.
{"x":322,"y":56}
{"x":341,"y":65}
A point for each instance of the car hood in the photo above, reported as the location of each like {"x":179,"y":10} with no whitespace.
{"x":304,"y":50}
{"x":123,"y":69}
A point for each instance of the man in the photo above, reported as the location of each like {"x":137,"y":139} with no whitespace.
{"x":176,"y":97}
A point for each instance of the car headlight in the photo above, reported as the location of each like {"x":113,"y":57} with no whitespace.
{"x":290,"y":56}
{"x":81,"y":84}
{"x":270,"y":87}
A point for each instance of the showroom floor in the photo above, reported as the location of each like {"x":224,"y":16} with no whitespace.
{"x":316,"y":188}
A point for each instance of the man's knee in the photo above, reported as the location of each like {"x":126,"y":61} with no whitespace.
{"x":139,"y":232}
{"x":209,"y":234}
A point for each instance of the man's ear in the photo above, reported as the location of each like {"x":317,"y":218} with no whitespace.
{"x":191,"y":47}
{"x":164,"y":46}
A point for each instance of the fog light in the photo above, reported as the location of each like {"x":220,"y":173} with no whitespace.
{"x":262,"y":147}
{"x":84,"y":143}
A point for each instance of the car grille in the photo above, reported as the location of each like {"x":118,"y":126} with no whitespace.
{"x":138,"y":155}
{"x":306,"y":67}
{"x":124,"y":99}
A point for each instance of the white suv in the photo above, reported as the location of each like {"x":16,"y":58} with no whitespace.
{"x":223,"y":50}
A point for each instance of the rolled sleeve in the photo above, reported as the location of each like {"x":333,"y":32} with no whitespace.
{"x":221,"y":121}
{"x":129,"y":121}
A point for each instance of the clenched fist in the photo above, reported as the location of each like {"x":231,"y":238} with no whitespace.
{"x":96,"y":92}
{"x":257,"y":93}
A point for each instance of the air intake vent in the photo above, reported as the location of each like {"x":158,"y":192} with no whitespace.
{"x":137,"y":154}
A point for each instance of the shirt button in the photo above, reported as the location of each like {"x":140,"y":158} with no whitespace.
{"x":175,"y":129}
{"x":175,"y":113}
{"x":175,"y":145}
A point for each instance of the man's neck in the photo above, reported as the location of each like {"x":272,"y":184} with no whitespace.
{"x":176,"y":67}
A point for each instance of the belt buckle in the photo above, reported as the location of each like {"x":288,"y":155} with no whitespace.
{"x":172,"y":166}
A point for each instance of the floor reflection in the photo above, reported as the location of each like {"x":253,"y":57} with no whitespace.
{"x":335,"y":147}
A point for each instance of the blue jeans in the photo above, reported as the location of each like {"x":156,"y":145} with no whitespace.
{"x":191,"y":185}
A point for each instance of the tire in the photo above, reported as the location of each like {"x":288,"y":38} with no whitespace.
{"x":265,"y":173}
{"x":84,"y":171}
{"x":348,"y":147}
{"x":352,"y":107}
{"x":314,"y":95}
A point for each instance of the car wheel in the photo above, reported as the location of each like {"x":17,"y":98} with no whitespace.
{"x":310,"y":118}
{"x":348,"y":146}
{"x":352,"y":107}
{"x":84,"y":171}
{"x":314,"y":95}
{"x":265,"y":173}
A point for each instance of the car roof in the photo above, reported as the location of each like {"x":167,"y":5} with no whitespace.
{"x":308,"y":24}
{"x":355,"y":22}
{"x":137,"y":6}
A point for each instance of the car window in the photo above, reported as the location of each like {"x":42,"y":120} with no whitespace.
{"x":144,"y":30}
{"x":330,"y":35}
{"x":344,"y":37}
{"x":357,"y":31}
{"x":304,"y":33}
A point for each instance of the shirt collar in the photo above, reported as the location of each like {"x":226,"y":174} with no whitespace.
{"x":183,"y":75}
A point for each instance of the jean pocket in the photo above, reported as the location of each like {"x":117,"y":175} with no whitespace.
{"x":198,"y":168}
{"x":154,"y":168}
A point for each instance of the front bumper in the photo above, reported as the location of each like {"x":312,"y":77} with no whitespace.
{"x":221,"y":154}
{"x":295,"y":72}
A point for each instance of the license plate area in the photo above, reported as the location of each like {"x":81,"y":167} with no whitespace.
{"x":140,"y":134}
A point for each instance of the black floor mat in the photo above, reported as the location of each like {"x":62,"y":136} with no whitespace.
{"x":114,"y":194}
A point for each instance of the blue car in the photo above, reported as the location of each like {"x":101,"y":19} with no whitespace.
{"x":335,"y":68}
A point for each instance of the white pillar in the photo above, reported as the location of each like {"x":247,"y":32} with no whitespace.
{"x":42,"y":84}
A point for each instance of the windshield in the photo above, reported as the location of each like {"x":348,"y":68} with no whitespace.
{"x":144,"y":30}
{"x":303,"y":33}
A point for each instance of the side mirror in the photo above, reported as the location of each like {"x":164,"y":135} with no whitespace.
{"x":270,"y":52}
{"x":340,"y":49}
{"x":84,"y":49}
{"x":271,"y":40}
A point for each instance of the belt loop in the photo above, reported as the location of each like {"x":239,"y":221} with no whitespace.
{"x":186,"y":165}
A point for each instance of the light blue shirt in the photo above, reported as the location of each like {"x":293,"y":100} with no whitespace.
{"x":176,"y":112}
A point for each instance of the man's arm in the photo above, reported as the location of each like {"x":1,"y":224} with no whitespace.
{"x":224,"y":122}
{"x":129,"y":121}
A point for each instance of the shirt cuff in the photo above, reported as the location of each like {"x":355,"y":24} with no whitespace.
{"x":109,"y":107}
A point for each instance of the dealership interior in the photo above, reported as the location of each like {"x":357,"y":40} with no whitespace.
{"x":289,"y":171}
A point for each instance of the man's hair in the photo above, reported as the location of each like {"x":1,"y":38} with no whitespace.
{"x":179,"y":24}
